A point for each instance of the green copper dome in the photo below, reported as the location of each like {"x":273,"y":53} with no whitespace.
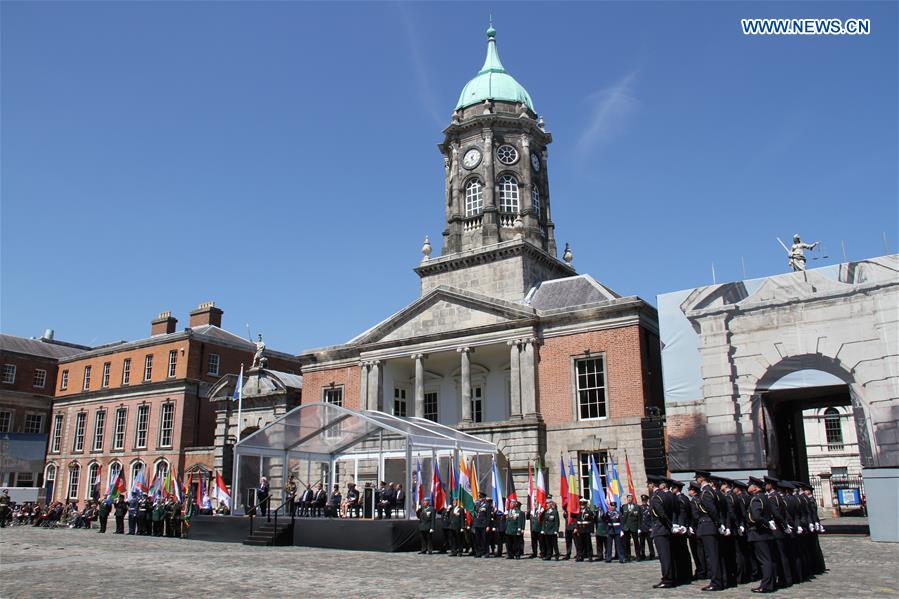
{"x":493,"y":82}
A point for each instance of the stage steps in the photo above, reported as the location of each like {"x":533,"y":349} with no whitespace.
{"x":267,"y":534}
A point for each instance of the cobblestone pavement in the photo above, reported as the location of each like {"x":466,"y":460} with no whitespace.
{"x":83,"y":564}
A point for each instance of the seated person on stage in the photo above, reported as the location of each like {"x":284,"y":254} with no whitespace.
{"x":306,"y":500}
{"x":334,"y":501}
{"x":352,"y":505}
{"x":383,"y":501}
{"x":321,"y":499}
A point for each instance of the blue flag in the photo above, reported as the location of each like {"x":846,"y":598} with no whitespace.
{"x":499,"y":498}
{"x":597,"y":493}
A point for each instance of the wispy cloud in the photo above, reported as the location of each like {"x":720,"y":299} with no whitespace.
{"x":609,"y":110}
{"x":420,"y":65}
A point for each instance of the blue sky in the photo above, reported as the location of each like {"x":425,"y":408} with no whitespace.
{"x":280,"y":158}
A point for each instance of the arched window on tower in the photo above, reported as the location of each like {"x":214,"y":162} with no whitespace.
{"x":833,"y":429}
{"x":535,"y":199}
{"x":474,"y":198}
{"x":508,"y":194}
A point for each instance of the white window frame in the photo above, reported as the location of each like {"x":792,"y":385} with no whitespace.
{"x":436,"y":403}
{"x":113,"y":472}
{"x":50,"y":474}
{"x":120,"y":429}
{"x":509,"y":198}
{"x":160,"y":469}
{"x":104,"y":379}
{"x":583,"y":461}
{"x":78,"y":437}
{"x":535,"y":199}
{"x":148,"y":367}
{"x":56,"y":440}
{"x":213,"y":363}
{"x":134,"y":470}
{"x":93,"y":475}
{"x":74,"y":481}
{"x":474,"y":197}
{"x":478,"y":396}
{"x":401,"y":398}
{"x":40,"y":423}
{"x":9,"y":373}
{"x":126,"y":371}
{"x":142,"y":409}
{"x":64,"y":380}
{"x":507,"y":154}
{"x":99,"y":430}
{"x":576,"y":386}
{"x":7,"y":416}
{"x":167,"y":407}
{"x":40,"y":378}
{"x":87,"y":378}
{"x":173,"y":363}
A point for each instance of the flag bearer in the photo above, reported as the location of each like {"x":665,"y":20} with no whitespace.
{"x":105,"y":508}
{"x":550,"y":530}
{"x":427,"y":521}
{"x":514,"y":530}
{"x":535,"y":516}
{"x":457,"y":527}
{"x":584,"y":532}
{"x":615,"y":533}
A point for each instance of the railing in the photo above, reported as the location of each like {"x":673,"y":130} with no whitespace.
{"x":838,"y":482}
{"x":507,"y":219}
{"x":472,"y":222}
{"x":269,"y":512}
{"x":252,"y":511}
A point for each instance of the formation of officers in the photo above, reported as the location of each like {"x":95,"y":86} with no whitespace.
{"x":763,"y":530}
{"x":490,"y":530}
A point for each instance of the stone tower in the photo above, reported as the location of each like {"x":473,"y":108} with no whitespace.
{"x":499,"y":238}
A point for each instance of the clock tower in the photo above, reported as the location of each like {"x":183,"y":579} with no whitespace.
{"x":497,"y":198}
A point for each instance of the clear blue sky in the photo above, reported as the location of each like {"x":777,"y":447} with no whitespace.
{"x":280,"y":158}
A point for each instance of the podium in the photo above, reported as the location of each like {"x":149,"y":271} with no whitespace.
{"x":368,"y":503}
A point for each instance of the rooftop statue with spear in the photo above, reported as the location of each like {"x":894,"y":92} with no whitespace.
{"x":796,"y":252}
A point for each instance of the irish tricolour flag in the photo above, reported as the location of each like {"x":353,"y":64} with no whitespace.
{"x":465,"y":487}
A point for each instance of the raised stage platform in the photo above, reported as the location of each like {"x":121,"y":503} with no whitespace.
{"x":330,"y":533}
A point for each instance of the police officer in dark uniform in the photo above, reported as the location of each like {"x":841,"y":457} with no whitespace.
{"x":630,"y":520}
{"x":708,"y":530}
{"x":645,"y":548}
{"x":615,"y":533}
{"x":535,"y":516}
{"x":120,"y":508}
{"x":727,"y":541}
{"x":103,"y":513}
{"x":514,"y":531}
{"x":793,"y":508}
{"x":427,"y":522}
{"x":661,"y":507}
{"x":680,"y":551}
{"x":158,"y":517}
{"x":759,"y":526}
{"x":457,"y":525}
{"x":696,"y":549}
{"x":583,"y":532}
{"x":745,"y":561}
{"x":602,"y":533}
{"x":483,"y":518}
{"x":570,"y":527}
{"x":780,"y":548}
{"x":550,"y":530}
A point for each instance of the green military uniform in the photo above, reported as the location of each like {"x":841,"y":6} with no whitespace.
{"x":602,"y":531}
{"x":457,"y":524}
{"x":584,"y":532}
{"x":515,"y":533}
{"x":158,"y":518}
{"x":550,"y":530}
{"x":103,"y":515}
{"x":427,"y":522}
{"x":536,"y":530}
{"x":630,"y":520}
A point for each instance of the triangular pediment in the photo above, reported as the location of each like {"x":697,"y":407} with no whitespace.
{"x":794,"y":286}
{"x":445,"y":310}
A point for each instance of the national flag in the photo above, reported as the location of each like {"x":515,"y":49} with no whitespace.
{"x":117,"y":487}
{"x":419,"y":484}
{"x":438,"y":495}
{"x":597,"y":493}
{"x":499,"y":498}
{"x":179,"y":496}
{"x":540,"y":494}
{"x":95,"y":491}
{"x":532,"y":490}
{"x":155,"y":489}
{"x":574,"y":498}
{"x":473,"y":475}
{"x":167,"y":485}
{"x":220,"y":492}
{"x":510,"y":488}
{"x":465,"y":496}
{"x":139,"y":483}
{"x":205,"y":501}
{"x":453,"y":482}
{"x":630,"y":479}
{"x":614,"y":482}
{"x":238,"y":396}
{"x":563,"y":484}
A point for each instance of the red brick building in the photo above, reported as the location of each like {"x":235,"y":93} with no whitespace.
{"x":27,"y":382}
{"x":143,"y":405}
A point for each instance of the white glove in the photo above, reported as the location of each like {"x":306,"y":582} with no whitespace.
{"x":622,"y":533}
{"x":772,"y":525}
{"x":742,"y":530}
{"x":799,"y":530}
{"x":789,"y":529}
{"x":820,"y":528}
{"x":721,"y":529}
{"x":726,"y":532}
{"x":432,"y":530}
{"x":692,"y":532}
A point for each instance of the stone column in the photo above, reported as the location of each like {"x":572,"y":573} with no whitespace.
{"x":465,"y":382}
{"x":363,"y":386}
{"x":550,"y":227}
{"x":374,"y":386}
{"x":515,"y":379}
{"x":490,"y":222}
{"x":419,"y":385}
{"x":529,"y":379}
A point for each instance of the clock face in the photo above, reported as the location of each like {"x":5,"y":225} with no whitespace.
{"x":471,"y":158}
{"x":535,"y":162}
{"x":507,"y":154}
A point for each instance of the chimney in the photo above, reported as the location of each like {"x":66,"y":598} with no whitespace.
{"x":163,"y":324}
{"x":206,"y":313}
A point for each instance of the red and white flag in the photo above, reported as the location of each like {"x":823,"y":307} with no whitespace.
{"x":541,"y":489}
{"x":220,"y":493}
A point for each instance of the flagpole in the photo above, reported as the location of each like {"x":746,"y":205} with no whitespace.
{"x":234,"y":462}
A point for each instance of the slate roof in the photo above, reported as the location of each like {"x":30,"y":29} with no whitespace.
{"x":569,"y":292}
{"x":39,"y":347}
{"x":290,"y":380}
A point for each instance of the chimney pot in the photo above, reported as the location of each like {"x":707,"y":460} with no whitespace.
{"x":164,"y":324}
{"x":206,"y":314}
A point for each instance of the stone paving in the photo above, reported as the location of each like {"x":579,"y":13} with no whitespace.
{"x":83,"y":564}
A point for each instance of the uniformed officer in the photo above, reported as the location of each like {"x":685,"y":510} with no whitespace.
{"x":483,"y":519}
{"x":630,"y":522}
{"x":584,"y":532}
{"x":497,"y":533}
{"x":707,"y":529}
{"x":780,"y":547}
{"x":144,"y":510}
{"x":818,"y":566}
{"x":133,"y":504}
{"x":121,"y":508}
{"x":103,"y":513}
{"x":661,"y":506}
{"x":457,"y":525}
{"x":727,"y":541}
{"x":550,"y":530}
{"x":514,"y":531}
{"x":158,"y":517}
{"x":615,"y":533}
{"x":4,"y":507}
{"x":290,"y":493}
{"x":680,"y":551}
{"x":645,"y":548}
{"x":602,"y":530}
{"x":427,"y":521}
{"x":176,"y":518}
{"x":535,"y":516}
{"x":696,"y":549}
{"x":792,"y":507}
{"x":745,"y":560}
{"x":759,"y":526}
{"x":570,"y":527}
